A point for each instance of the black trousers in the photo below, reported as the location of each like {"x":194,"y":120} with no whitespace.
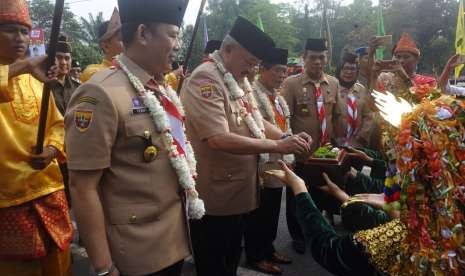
{"x":262,"y":226}
{"x":173,"y":270}
{"x":216,"y":241}
{"x":65,"y":175}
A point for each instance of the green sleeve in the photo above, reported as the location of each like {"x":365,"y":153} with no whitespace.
{"x":378,"y":167}
{"x":361,"y":216}
{"x":363,"y":184}
{"x":338,"y":254}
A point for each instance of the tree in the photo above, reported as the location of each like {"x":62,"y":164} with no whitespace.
{"x":84,"y":44}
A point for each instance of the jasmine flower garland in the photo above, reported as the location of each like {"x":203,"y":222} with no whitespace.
{"x":254,"y":120}
{"x":265,"y":102}
{"x":183,"y":164}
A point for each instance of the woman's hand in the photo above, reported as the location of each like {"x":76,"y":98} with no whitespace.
{"x":287,"y":176}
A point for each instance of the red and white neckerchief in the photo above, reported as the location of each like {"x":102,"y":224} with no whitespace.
{"x":320,"y":102}
{"x":352,"y":114}
{"x":175,"y":118}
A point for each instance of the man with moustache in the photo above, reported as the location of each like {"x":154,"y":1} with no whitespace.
{"x":312,"y":98}
{"x":228,"y":134}
{"x":262,"y":223}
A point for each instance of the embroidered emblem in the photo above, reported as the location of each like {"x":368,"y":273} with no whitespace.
{"x":207,"y":90}
{"x":83,"y":119}
{"x":89,"y":100}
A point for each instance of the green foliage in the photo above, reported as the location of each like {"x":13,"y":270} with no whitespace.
{"x":81,"y":33}
{"x":431,"y":23}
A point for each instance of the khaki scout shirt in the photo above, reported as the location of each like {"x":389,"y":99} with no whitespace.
{"x":361,"y":137}
{"x":227,"y":182}
{"x":268,"y":182}
{"x":144,"y":216}
{"x":303,"y":106}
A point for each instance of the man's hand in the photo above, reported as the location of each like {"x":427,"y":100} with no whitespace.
{"x":41,"y":161}
{"x":358,"y":154}
{"x":306,"y":137}
{"x":287,"y":176}
{"x":36,"y":66}
{"x":453,"y":61}
{"x":293,"y":144}
{"x":375,"y":42}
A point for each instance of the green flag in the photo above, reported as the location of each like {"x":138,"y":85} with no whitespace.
{"x":460,"y":37}
{"x":380,"y":31}
{"x":260,"y":23}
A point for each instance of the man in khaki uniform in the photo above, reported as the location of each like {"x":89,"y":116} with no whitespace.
{"x":311,"y":97}
{"x":109,"y":33}
{"x":126,"y":193}
{"x":227,"y":147}
{"x":354,"y":121}
{"x":262,"y":223}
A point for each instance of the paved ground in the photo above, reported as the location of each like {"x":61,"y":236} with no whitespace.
{"x":302,"y":264}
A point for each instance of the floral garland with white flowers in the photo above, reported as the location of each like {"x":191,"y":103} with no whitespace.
{"x":254,"y":120}
{"x":183,"y":164}
{"x":265,"y":102}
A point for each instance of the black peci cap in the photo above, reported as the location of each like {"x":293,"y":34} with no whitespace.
{"x":62,"y":45}
{"x":316,"y":44}
{"x":251,"y":37}
{"x":212,"y":45}
{"x":276,"y":56}
{"x":146,"y":11}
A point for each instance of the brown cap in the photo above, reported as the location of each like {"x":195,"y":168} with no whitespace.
{"x":110,"y":28}
{"x":15,"y":11}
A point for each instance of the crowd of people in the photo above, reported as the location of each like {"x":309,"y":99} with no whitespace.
{"x":157,"y":165}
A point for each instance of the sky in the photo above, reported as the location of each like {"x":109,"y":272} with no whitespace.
{"x":84,"y":7}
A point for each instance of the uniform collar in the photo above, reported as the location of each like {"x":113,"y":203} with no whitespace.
{"x":306,"y":79}
{"x":136,"y":70}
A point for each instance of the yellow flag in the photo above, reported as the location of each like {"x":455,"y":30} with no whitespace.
{"x":460,"y":37}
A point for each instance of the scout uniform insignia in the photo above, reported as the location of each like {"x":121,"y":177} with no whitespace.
{"x":303,"y":107}
{"x":150,"y":152}
{"x":82,"y":119}
{"x":207,"y":90}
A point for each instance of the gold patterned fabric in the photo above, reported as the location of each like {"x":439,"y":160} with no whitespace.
{"x":382,"y":244}
{"x":56,"y":263}
{"x":94,"y":68}
{"x":29,"y":230}
{"x":20,"y":99}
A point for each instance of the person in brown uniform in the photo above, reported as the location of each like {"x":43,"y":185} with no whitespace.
{"x":228,"y":134}
{"x":126,"y":192}
{"x":354,"y":121}
{"x":262,"y":223}
{"x":64,"y":88}
{"x":311,"y":97}
{"x":110,"y":42}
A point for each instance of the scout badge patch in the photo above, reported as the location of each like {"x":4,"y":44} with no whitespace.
{"x":207,"y":90}
{"x":138,"y":107}
{"x":82,"y":119}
